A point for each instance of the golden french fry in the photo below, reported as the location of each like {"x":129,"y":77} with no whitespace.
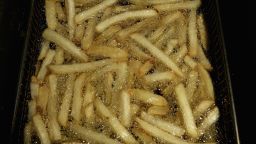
{"x":85,"y":134}
{"x":148,"y":97}
{"x":77,"y":100}
{"x":50,"y":13}
{"x":60,"y":12}
{"x":48,"y":60}
{"x":192,"y":85}
{"x":188,"y":118}
{"x":192,"y":34}
{"x":84,"y":15}
{"x":158,"y":110}
{"x":79,"y":67}
{"x":87,"y":40}
{"x":156,"y":132}
{"x":66,"y":101}
{"x":202,"y":107}
{"x":125,"y":109}
{"x":43,"y":50}
{"x":157,"y":53}
{"x":146,"y":139}
{"x":64,"y":43}
{"x":41,"y":129}
{"x":162,"y":124}
{"x":124,"y":16}
{"x":206,"y":81}
{"x":110,"y":52}
{"x":178,"y":6}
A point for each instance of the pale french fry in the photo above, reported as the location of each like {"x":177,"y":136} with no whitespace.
{"x":122,"y":75}
{"x":84,"y":15}
{"x":192,"y":34}
{"x":48,"y":60}
{"x":178,"y":57}
{"x":134,"y":66}
{"x":157,"y":53}
{"x":42,"y":98}
{"x":64,"y":43}
{"x":108,"y":82}
{"x":124,"y":16}
{"x":145,"y":68}
{"x":186,"y":111}
{"x":89,"y":113}
{"x":66,"y":101}
{"x":206,"y":81}
{"x":160,"y":76}
{"x":85,"y":134}
{"x":182,"y":28}
{"x":134,"y":109}
{"x":170,"y":18}
{"x":125,"y":107}
{"x":28,"y":133}
{"x":138,"y":53}
{"x":123,"y":8}
{"x":158,"y":110}
{"x":148,"y":97}
{"x":192,"y":85}
{"x":43,"y":50}
{"x":161,"y":1}
{"x":209,"y":120}
{"x":202,"y":31}
{"x":59,"y":56}
{"x":157,"y":33}
{"x":31,"y":109}
{"x":50,"y":13}
{"x":79,"y":32}
{"x":77,"y":100}
{"x":110,"y":52}
{"x":107,"y":13}
{"x":146,"y":139}
{"x":170,"y":46}
{"x":177,"y":6}
{"x":202,"y":107}
{"x":34,"y":87}
{"x":162,"y":124}
{"x":54,"y":129}
{"x":84,"y":2}
{"x":156,"y":132}
{"x":80,"y":67}
{"x":108,"y":33}
{"x":89,"y":34}
{"x":41,"y":129}
{"x":203,"y":59}
{"x":60,"y":12}
{"x":89,"y":95}
{"x":114,"y":123}
{"x":62,"y":29}
{"x":70,"y":11}
{"x":190,"y":62}
{"x":164,"y":38}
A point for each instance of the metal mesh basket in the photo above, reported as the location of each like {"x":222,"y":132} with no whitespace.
{"x":226,"y":127}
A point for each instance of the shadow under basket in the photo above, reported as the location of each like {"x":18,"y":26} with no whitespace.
{"x":227,"y":132}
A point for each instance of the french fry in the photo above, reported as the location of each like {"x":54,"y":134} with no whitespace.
{"x":146,"y":139}
{"x":202,"y":107}
{"x":162,"y":124}
{"x":108,"y":82}
{"x":202,"y":31}
{"x":182,"y":30}
{"x":145,"y":68}
{"x":89,"y":34}
{"x":138,"y":53}
{"x":170,"y":18}
{"x":209,"y":120}
{"x":156,"y":132}
{"x":160,"y":76}
{"x":84,"y":15}
{"x":190,"y":62}
{"x":42,"y":98}
{"x":77,"y":100}
{"x":158,"y":110}
{"x":43,"y":50}
{"x":114,"y":122}
{"x":31,"y":109}
{"x":125,"y":108}
{"x":85,"y":134}
{"x":79,"y":32}
{"x":89,"y":95}
{"x":89,"y":113}
{"x":186,"y":111}
{"x":178,"y":57}
{"x":28,"y":133}
{"x":41,"y":129}
{"x":157,"y":53}
{"x":66,"y":101}
{"x":124,"y":16}
{"x":147,"y":97}
{"x":203,"y":59}
{"x":110,"y":52}
{"x":192,"y":85}
{"x":108,"y":33}
{"x":70,"y":11}
{"x":64,"y":43}
{"x":122,"y":75}
{"x":54,"y":129}
{"x":170,"y":46}
{"x":164,"y":38}
{"x":157,"y":33}
{"x":178,"y":6}
{"x":60,"y":12}
{"x":206,"y":81}
{"x":48,"y":60}
{"x":80,"y":67}
{"x":153,"y":2}
{"x":107,"y":13}
{"x":59,"y":56}
{"x":50,"y":13}
{"x":134,"y":109}
{"x":34,"y":87}
{"x":192,"y":34}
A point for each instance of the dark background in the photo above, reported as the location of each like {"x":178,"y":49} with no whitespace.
{"x":237,"y":34}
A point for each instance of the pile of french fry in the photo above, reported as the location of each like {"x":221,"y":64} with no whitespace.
{"x":122,"y":71}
